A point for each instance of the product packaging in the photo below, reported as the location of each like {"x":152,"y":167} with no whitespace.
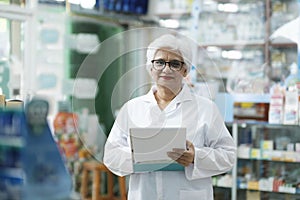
{"x":276,"y":109}
{"x":291,"y":107}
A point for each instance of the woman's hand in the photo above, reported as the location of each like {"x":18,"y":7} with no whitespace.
{"x":184,"y":157}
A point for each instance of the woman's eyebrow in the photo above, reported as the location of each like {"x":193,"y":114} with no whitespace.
{"x":175,"y":59}
{"x":159,"y":58}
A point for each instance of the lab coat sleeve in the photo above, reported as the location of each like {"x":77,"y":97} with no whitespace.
{"x":218,"y":155}
{"x":117,"y":155}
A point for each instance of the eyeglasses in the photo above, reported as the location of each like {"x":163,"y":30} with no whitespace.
{"x":175,"y":65}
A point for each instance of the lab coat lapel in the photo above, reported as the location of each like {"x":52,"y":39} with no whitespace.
{"x":184,"y":95}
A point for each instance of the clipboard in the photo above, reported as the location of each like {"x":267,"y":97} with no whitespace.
{"x":149,"y":147}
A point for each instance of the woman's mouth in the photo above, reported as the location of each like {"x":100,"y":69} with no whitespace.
{"x":166,"y":77}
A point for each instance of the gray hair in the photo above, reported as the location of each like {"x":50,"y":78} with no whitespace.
{"x":172,"y":42}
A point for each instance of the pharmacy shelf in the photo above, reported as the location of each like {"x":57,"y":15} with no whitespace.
{"x":12,"y":172}
{"x":251,"y":98}
{"x":11,"y":141}
{"x":263,"y":162}
{"x":121,"y":18}
{"x":280,"y":157}
{"x":277,"y":159}
{"x":224,"y":33}
{"x":234,"y":44}
{"x":282,"y":190}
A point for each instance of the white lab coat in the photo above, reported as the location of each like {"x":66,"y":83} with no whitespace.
{"x":215,"y":151}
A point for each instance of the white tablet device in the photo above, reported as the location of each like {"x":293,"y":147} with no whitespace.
{"x":149,"y":148}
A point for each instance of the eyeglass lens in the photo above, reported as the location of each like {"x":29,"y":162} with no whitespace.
{"x":173,"y":64}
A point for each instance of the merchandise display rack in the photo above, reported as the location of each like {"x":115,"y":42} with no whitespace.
{"x":11,"y":144}
{"x":32,"y":166}
{"x":105,"y":15}
{"x":237,"y":41}
{"x":264,"y":162}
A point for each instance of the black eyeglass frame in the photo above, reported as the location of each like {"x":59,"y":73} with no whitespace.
{"x":170,"y":66}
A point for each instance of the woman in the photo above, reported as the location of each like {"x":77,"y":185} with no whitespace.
{"x":210,"y":148}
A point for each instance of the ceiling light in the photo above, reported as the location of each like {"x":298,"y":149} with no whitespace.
{"x":232,"y":54}
{"x":169,"y":23}
{"x":228,"y":7}
{"x":89,"y":4}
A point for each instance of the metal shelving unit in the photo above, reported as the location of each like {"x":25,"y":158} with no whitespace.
{"x":24,"y":15}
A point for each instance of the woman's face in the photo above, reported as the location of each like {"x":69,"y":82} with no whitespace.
{"x":168,"y":77}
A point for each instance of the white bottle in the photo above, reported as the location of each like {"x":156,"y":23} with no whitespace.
{"x":291,"y":106}
{"x":83,"y":120}
{"x":293,"y":77}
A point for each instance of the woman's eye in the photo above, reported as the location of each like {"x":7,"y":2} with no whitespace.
{"x":159,"y":62}
{"x":175,"y":64}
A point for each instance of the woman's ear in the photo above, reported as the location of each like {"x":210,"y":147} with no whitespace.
{"x":185,"y":73}
{"x":151,"y":72}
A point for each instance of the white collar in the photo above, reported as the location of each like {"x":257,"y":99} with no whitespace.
{"x":184,"y":95}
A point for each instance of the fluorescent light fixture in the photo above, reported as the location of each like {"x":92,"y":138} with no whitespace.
{"x":232,"y":54}
{"x":228,"y":7}
{"x":3,"y":25}
{"x":89,"y":4}
{"x":212,"y":48}
{"x":60,"y":0}
{"x":77,"y":2}
{"x":169,"y":23}
{"x":208,"y":2}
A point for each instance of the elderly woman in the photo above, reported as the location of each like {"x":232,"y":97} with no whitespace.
{"x":210,"y":148}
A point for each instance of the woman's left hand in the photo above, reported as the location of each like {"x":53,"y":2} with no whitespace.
{"x":184,"y":157}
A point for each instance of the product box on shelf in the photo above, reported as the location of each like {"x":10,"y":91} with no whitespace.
{"x":251,"y":107}
{"x":266,"y":184}
{"x":255,"y":153}
{"x":276,"y":108}
{"x":11,"y":144}
{"x":2,"y":101}
{"x":253,"y":185}
{"x":277,"y":183}
{"x":224,"y":181}
{"x":287,"y":189}
{"x":65,"y":124}
{"x":244,"y":151}
{"x":291,"y":107}
{"x":251,"y":111}
{"x":266,"y":147}
{"x":253,"y":195}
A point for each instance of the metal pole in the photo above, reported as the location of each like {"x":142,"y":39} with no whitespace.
{"x":234,"y":169}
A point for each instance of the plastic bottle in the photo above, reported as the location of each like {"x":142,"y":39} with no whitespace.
{"x":65,"y":130}
{"x":83,"y":120}
{"x":293,"y":77}
{"x":193,"y":74}
{"x":2,"y":100}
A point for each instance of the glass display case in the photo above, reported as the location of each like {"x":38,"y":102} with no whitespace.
{"x":32,"y":50}
{"x":240,"y":53}
{"x":267,"y":165}
{"x":16,"y":52}
{"x":268,"y":161}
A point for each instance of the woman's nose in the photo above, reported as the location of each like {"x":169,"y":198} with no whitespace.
{"x":167,"y":67}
